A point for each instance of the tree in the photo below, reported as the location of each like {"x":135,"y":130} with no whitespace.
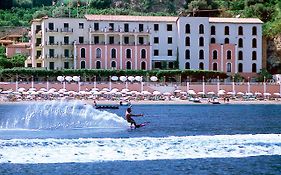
{"x":263,"y":75}
{"x":18,"y":60}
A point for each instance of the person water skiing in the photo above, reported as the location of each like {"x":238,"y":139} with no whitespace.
{"x":129,"y":118}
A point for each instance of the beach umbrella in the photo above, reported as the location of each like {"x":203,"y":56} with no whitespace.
{"x":221,"y":92}
{"x":191,"y":92}
{"x":21,"y":89}
{"x":267,"y":94}
{"x":230,"y":93}
{"x":153,"y":78}
{"x":249,"y":94}
{"x":183,"y":93}
{"x":32,"y":89}
{"x":201,"y":93}
{"x":257,"y":93}
{"x":167,"y":93}
{"x":95,"y":89}
{"x":138,"y":78}
{"x":43,"y":89}
{"x":123,"y":78}
{"x":177,"y":90}
{"x":146,"y":93}
{"x":114,"y":78}
{"x":68,"y":78}
{"x":105,"y":89}
{"x":134,"y":92}
{"x":131,"y":78}
{"x":60,"y":78}
{"x":211,"y":93}
{"x":276,"y":94}
{"x":240,"y":93}
{"x":76,"y":78}
{"x":156,"y":93}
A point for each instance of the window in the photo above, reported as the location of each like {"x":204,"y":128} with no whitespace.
{"x":187,"y":54}
{"x":83,"y":65}
{"x":201,"y":29}
{"x":254,"y":55}
{"x":201,"y":66}
{"x":170,"y":52}
{"x":38,"y":28}
{"x":98,"y":65}
{"x":141,"y":40}
{"x":201,"y":41}
{"x":215,"y":54}
{"x":187,"y":41}
{"x":81,"y":39}
{"x":66,"y":53}
{"x":111,"y":40}
{"x":81,"y":25}
{"x":254,"y":43}
{"x":240,"y":67}
{"x":65,"y":25}
{"x":126,"y":27}
{"x":156,"y":27}
{"x":30,"y":65}
{"x":128,"y":65}
{"x":240,"y":30}
{"x":226,"y":30}
{"x":38,"y":65}
{"x":169,"y":27}
{"x":96,"y":26}
{"x":143,"y":53}
{"x":170,"y":40}
{"x":98,"y":53}
{"x":228,"y":67}
{"x":66,"y":65}
{"x":143,"y":65}
{"x":51,"y":26}
{"x":111,"y":26}
{"x":213,"y":30}
{"x":254,"y":30}
{"x":141,"y":27}
{"x":113,"y":53}
{"x":126,"y":40}
{"x":66,"y":40}
{"x":187,"y":28}
{"x":156,"y":52}
{"x":158,"y":65}
{"x":213,"y":40}
{"x":240,"y":55}
{"x":113,"y":64}
{"x":156,"y":40}
{"x":38,"y":53}
{"x":52,"y":65}
{"x":215,"y":66}
{"x":187,"y":65}
{"x":52,"y":53}
{"x":51,"y":40}
{"x":38,"y":41}
{"x":240,"y":42}
{"x":128,"y":53}
{"x":226,"y":41}
{"x":96,"y":40}
{"x":254,"y":67}
{"x":83,"y":52}
{"x":228,"y":55}
{"x":171,"y":65}
{"x":201,"y":54}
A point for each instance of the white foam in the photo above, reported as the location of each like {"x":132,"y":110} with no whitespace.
{"x":146,"y":148}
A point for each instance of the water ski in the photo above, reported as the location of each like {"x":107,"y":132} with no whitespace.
{"x":140,"y":125}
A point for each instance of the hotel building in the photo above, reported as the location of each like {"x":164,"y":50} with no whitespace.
{"x":231,"y":45}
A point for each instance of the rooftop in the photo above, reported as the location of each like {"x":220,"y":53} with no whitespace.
{"x":130,"y":18}
{"x":236,"y":20}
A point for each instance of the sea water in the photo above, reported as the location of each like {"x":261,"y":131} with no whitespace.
{"x":74,"y":138}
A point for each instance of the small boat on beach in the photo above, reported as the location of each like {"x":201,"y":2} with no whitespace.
{"x":106,"y":106}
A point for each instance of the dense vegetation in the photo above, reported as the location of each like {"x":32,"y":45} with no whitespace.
{"x":16,"y":61}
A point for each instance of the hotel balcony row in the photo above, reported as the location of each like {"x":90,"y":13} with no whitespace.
{"x":120,"y":31}
{"x":64,"y":30}
{"x":91,"y":43}
{"x":56,"y":56}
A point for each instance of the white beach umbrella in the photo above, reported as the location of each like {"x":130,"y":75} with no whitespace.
{"x":240,"y":93}
{"x":258,"y":93}
{"x":146,"y":93}
{"x":131,"y":78}
{"x":267,"y":94}
{"x":153,"y":78}
{"x":177,"y":90}
{"x":156,"y":93}
{"x":68,"y":78}
{"x":211,"y":93}
{"x":32,"y":89}
{"x":276,"y":94}
{"x":123,"y":78}
{"x":114,"y":78}
{"x":138,"y":78}
{"x":191,"y":92}
{"x":60,"y":78}
{"x":95,"y":89}
{"x":167,"y":93}
{"x":21,"y":89}
{"x":230,"y":93}
{"x":43,"y":89}
{"x":183,"y":93}
{"x":201,"y":93}
{"x":76,"y":78}
{"x":105,"y":89}
{"x":249,"y":94}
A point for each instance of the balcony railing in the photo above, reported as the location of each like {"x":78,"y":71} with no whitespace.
{"x":51,"y":56}
{"x":53,"y":30}
{"x":116,"y":31}
{"x":68,"y":30}
{"x":52,"y":43}
{"x":66,"y":43}
{"x":69,"y":57}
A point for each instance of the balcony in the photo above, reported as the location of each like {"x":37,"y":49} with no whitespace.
{"x":51,"y":56}
{"x":120,"y":31}
{"x":52,"y":43}
{"x":70,"y":57}
{"x":52,"y":30}
{"x":66,"y":44}
{"x":66,"y":30}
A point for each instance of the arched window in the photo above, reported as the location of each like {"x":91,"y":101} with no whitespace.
{"x":187,"y":41}
{"x":254,"y":67}
{"x":143,"y":65}
{"x":187,"y":28}
{"x":113,"y":64}
{"x":83,"y":65}
{"x":226,"y":41}
{"x":128,"y":65}
{"x":240,"y":67}
{"x":113,"y":53}
{"x":201,"y":54}
{"x":215,"y":54}
{"x":228,"y":67}
{"x":254,"y":43}
{"x":143,"y":53}
{"x":228,"y":55}
{"x":83,"y":52}
{"x":240,"y":42}
{"x":201,"y":29}
{"x":187,"y":65}
{"x":226,"y":30}
{"x":128,"y":53}
{"x":213,"y":40}
{"x":215,"y":66}
{"x":201,"y":66}
{"x":254,"y":30}
{"x":187,"y":54}
{"x":240,"y":30}
{"x":240,"y":55}
{"x":254,"y":55}
{"x":98,"y":53}
{"x":201,"y":41}
{"x":98,"y":65}
{"x":213,"y":30}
